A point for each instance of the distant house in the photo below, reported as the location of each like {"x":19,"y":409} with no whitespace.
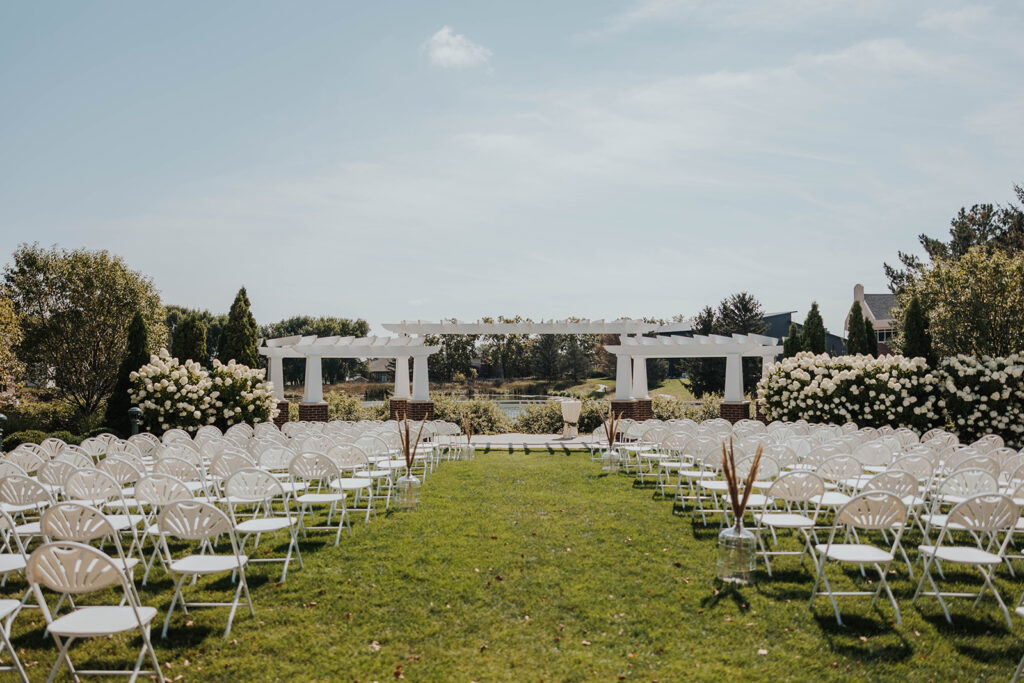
{"x":778,"y":327}
{"x":382,"y":370}
{"x":878,"y":309}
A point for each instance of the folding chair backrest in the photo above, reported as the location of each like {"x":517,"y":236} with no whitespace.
{"x":988,"y":442}
{"x":157,"y":490}
{"x":874,"y":453}
{"x":178,"y":450}
{"x":172,"y":435}
{"x":123,"y":471}
{"x":981,"y":462}
{"x":902,"y":483}
{"x":318,"y":443}
{"x":69,"y":567}
{"x":25,"y":459}
{"x":55,"y":473}
{"x":75,"y":522}
{"x":178,"y":468}
{"x":675,"y":444}
{"x":767,"y":469}
{"x":92,"y":485}
{"x":52,"y":446}
{"x":193,"y":520}
{"x":276,"y":458}
{"x":986,"y":513}
{"x":919,"y":466}
{"x":253,"y":485}
{"x":313,"y":467}
{"x":348,"y":457}
{"x":226,"y":464}
{"x":873,"y":510}
{"x":18,"y":490}
{"x":78,"y":460}
{"x":781,"y":453}
{"x":822,"y":453}
{"x":796,"y":487}
{"x":839,"y":467}
{"x":7,"y":468}
{"x":966,"y":483}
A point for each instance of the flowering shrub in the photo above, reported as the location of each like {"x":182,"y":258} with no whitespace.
{"x":891,"y":390}
{"x":184,"y":395}
{"x":241,"y":394}
{"x":664,"y":407}
{"x":172,"y":394}
{"x":984,"y":395}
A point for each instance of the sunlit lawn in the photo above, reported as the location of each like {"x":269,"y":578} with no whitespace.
{"x":536,"y":566}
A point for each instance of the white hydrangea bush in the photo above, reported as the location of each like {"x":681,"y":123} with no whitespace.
{"x":984,"y":396}
{"x":888,"y":390}
{"x":173,"y":394}
{"x":186,"y":396}
{"x":241,"y":394}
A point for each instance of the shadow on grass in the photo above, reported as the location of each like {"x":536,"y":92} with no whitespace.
{"x":862,"y":637}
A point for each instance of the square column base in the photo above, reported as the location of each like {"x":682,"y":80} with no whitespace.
{"x":313,"y":412}
{"x":638,"y":409}
{"x":282,"y":413}
{"x":401,"y":408}
{"x":734,"y":411}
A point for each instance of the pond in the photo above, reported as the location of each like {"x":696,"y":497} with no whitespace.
{"x":510,"y":404}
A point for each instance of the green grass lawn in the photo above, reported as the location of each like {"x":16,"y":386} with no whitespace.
{"x":536,"y":566}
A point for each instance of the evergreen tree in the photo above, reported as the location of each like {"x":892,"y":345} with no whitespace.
{"x":705,"y":375}
{"x":116,"y":417}
{"x":793,"y":343}
{"x":855,"y":331}
{"x":188,"y":342}
{"x":870,"y":338}
{"x":546,"y":354}
{"x":238,"y":340}
{"x":814,"y":330}
{"x":917,"y":342}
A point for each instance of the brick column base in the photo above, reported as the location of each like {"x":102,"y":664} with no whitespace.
{"x":624,"y":409}
{"x":420,"y":410}
{"x":735,"y":411}
{"x":643,"y":409}
{"x":397,"y":408}
{"x":282,"y":413}
{"x":313,"y":412}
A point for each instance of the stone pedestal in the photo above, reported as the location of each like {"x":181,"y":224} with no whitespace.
{"x":400,"y":408}
{"x":734,"y":411}
{"x":282,"y":413}
{"x":638,"y":409}
{"x":313,"y":412}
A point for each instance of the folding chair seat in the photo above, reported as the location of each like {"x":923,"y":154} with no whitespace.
{"x":201,"y":522}
{"x":983,"y":517}
{"x":872,"y":511}
{"x":320,"y":474}
{"x":13,"y":557}
{"x":73,"y":569}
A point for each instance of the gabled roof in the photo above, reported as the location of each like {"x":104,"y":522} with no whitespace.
{"x":880,"y":305}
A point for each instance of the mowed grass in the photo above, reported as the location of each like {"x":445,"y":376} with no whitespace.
{"x":531,"y":566}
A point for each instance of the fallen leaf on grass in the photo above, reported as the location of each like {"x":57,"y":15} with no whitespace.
{"x":762,"y":651}
{"x":586,"y":642}
{"x":375,"y":646}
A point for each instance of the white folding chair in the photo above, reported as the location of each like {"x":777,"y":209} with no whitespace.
{"x":194,"y":520}
{"x":9,"y":609}
{"x":72,"y":568}
{"x":872,"y":511}
{"x":795,"y":491}
{"x":320,"y":474}
{"x":983,"y":517}
{"x":259,"y":490}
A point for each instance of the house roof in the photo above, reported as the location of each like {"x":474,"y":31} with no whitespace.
{"x":880,"y":305}
{"x":380,"y":365}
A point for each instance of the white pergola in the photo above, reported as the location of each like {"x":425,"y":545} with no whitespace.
{"x":314,"y":349}
{"x":631,"y":377}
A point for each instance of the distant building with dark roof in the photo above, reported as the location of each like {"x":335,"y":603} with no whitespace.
{"x":777,"y":326}
{"x":878,"y":309}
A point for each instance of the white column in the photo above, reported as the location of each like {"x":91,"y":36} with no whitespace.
{"x":640,"y":378}
{"x":765,"y":362}
{"x":733,"y":378}
{"x":313,"y":391}
{"x":402,"y":377}
{"x":623,"y":377}
{"x":420,"y":380}
{"x":277,"y":376}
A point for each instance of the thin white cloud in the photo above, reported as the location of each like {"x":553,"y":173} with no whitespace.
{"x":959,"y":20}
{"x":450,"y":50}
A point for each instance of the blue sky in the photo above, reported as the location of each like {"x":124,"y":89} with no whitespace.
{"x":404,"y":160}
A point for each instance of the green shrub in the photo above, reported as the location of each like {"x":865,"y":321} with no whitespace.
{"x":66,"y":437}
{"x":342,"y":406}
{"x":43,"y":416}
{"x":546,"y":418}
{"x":12,"y":441}
{"x":484,"y":416}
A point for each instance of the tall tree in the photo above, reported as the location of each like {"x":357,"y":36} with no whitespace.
{"x":870,"y":338}
{"x":814,"y":330}
{"x":546,"y":352}
{"x":188,"y":341}
{"x":135,"y":357}
{"x":705,"y":375}
{"x":855,"y":331}
{"x":455,"y":359}
{"x":975,"y":303}
{"x":238,"y":339}
{"x":914,"y":335}
{"x":76,"y":307}
{"x":990,"y":226}
{"x":214,"y":324}
{"x":10,"y":337}
{"x":577,"y":354}
{"x":793,"y":343}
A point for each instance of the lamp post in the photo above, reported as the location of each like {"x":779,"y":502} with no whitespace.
{"x":134,"y":414}
{"x":3,"y":422}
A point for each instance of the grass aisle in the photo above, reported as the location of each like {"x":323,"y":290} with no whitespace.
{"x":528,"y":567}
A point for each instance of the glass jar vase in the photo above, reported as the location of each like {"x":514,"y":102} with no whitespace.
{"x":737,"y":555}
{"x":407,"y":492}
{"x":610,"y":461}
